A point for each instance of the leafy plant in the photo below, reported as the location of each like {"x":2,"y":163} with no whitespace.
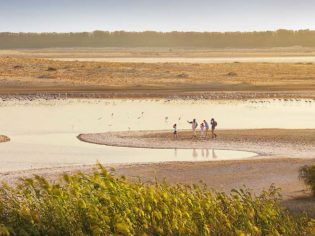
{"x":307,"y":174}
{"x":101,"y":204}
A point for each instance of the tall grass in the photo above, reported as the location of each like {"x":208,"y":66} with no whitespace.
{"x":307,"y":174}
{"x":100,"y":204}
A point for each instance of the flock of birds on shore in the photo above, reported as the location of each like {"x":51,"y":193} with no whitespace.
{"x":49,"y":97}
{"x":255,"y":98}
{"x":46,"y":97}
{"x":138,"y":118}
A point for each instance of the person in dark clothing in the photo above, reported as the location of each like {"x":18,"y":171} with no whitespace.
{"x":213,"y":127}
{"x":175,"y":131}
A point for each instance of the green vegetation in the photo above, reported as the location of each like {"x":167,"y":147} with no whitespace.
{"x":307,"y":173}
{"x":279,"y":38}
{"x":100,"y":204}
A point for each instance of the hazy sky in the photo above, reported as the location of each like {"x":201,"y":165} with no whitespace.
{"x":159,"y":15}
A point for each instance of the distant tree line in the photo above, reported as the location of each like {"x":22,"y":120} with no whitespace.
{"x":279,"y":38}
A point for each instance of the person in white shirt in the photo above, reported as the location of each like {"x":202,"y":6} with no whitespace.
{"x":194,"y":126}
{"x":202,"y":129}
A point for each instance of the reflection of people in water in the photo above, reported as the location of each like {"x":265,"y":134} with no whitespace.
{"x":207,"y":153}
{"x":194,"y":153}
{"x":202,"y":129}
{"x":214,"y":156}
{"x":175,"y":152}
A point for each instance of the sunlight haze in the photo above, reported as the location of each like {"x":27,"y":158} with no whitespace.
{"x":162,"y":15}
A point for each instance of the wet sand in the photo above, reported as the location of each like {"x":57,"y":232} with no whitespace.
{"x":298,"y":143}
{"x":4,"y":138}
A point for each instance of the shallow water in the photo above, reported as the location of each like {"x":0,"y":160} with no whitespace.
{"x":54,"y":150}
{"x":44,"y":133}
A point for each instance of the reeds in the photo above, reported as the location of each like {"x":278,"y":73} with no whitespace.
{"x":307,"y":174}
{"x":100,"y":204}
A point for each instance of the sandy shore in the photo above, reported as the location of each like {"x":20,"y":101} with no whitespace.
{"x":265,"y":142}
{"x":4,"y":138}
{"x":256,"y":174}
{"x":221,"y":176}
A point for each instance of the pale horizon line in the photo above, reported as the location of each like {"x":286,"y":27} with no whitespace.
{"x":156,"y":31}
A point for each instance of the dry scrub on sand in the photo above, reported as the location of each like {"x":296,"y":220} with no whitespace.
{"x":280,"y":142}
{"x":4,"y":139}
{"x":29,"y":74}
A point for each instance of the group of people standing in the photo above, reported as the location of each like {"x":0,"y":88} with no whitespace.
{"x":204,"y":128}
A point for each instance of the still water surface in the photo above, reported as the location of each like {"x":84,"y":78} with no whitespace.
{"x":44,"y":133}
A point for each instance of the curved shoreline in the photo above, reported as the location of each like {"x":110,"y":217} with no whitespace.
{"x":4,"y":139}
{"x":116,"y":143}
{"x":289,"y":143}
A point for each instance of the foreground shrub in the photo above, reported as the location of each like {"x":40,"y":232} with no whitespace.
{"x":100,"y":204}
{"x":307,"y":174}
